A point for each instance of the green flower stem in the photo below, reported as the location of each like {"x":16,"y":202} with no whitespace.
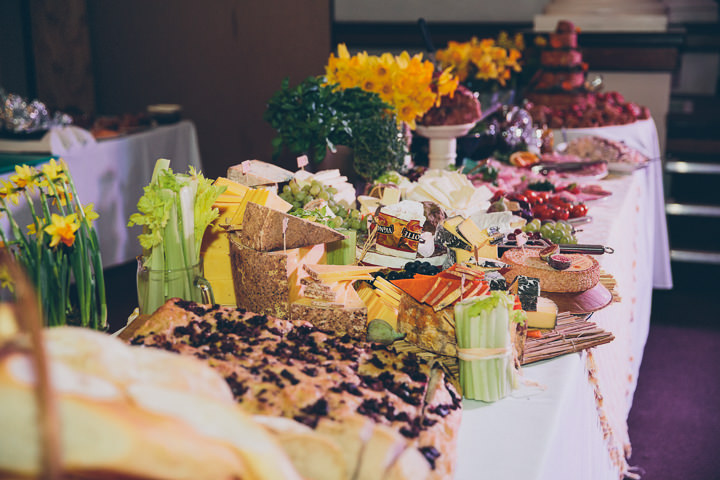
{"x":93,"y":297}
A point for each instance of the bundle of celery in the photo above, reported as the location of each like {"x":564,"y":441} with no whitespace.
{"x":482,"y":328}
{"x":174,"y":211}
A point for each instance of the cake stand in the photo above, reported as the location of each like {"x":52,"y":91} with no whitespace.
{"x":443,"y":143}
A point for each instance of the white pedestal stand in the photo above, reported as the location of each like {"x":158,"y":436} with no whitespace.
{"x":443,"y":143}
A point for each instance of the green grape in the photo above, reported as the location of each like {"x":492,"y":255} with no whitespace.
{"x":294,"y":187}
{"x":287,"y":190}
{"x":332,"y":190}
{"x":301,"y":197}
{"x":343,"y":213}
{"x":529,"y":228}
{"x":556,"y":236}
{"x":355,"y":214}
{"x":324,"y":195}
{"x":546,"y":230}
{"x":355,"y":224}
{"x":306,"y":188}
{"x":314,"y":190}
{"x":336,"y":222}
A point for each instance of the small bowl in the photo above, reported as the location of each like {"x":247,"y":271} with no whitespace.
{"x":165,"y":113}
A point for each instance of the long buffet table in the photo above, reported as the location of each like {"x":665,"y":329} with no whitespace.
{"x":111,"y":175}
{"x":569,"y":419}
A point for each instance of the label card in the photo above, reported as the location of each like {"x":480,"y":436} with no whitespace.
{"x":302,"y":161}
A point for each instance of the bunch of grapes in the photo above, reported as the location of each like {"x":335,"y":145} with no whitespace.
{"x":554,"y":231}
{"x":348,"y":218}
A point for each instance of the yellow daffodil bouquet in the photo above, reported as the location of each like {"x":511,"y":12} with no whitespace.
{"x":484,"y":65}
{"x":59,"y":248}
{"x":407,"y":83}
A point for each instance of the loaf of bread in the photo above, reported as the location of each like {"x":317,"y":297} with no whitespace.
{"x":391,"y":414}
{"x":129,"y":412}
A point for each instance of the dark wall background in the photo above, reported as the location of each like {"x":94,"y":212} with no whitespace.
{"x":221,"y":60}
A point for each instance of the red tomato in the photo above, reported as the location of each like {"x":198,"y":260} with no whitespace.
{"x":561,"y":214}
{"x":519,"y":197}
{"x":543,"y":212}
{"x":533,"y":197}
{"x":579,"y":210}
{"x":560,"y":201}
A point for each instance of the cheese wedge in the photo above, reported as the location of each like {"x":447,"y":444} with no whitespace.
{"x":545,"y":316}
{"x":267,"y":229}
{"x":472,"y":233}
{"x":256,"y":172}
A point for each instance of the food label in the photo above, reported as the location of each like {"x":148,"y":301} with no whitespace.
{"x":396,"y":236}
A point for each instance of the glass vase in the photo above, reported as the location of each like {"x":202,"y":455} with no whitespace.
{"x":155,"y":287}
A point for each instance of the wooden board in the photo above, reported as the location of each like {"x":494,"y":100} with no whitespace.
{"x":580,"y":303}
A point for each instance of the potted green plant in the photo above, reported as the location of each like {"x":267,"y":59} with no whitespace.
{"x":315,"y":118}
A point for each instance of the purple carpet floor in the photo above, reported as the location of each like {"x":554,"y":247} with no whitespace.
{"x":675,"y":419}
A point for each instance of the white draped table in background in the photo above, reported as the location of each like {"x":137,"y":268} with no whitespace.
{"x":576,"y":427}
{"x":111,"y":174}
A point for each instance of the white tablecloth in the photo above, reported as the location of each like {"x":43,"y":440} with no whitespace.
{"x":111,"y":174}
{"x":642,"y":136}
{"x":576,"y":428}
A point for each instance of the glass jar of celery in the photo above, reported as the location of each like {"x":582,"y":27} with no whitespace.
{"x":155,"y":287}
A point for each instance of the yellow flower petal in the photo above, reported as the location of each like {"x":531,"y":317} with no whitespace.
{"x":62,"y":229}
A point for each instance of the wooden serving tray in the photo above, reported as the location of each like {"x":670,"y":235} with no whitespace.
{"x":581,"y":303}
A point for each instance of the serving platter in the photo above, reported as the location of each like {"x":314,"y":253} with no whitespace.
{"x":581,"y":303}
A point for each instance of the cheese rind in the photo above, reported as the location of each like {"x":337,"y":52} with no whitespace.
{"x":266,"y":229}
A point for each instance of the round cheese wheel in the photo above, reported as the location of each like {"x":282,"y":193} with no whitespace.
{"x":583,"y":273}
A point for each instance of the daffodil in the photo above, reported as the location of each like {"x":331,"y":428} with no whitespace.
{"x":487,"y":60}
{"x":89,"y":213}
{"x":32,"y":229}
{"x":9,"y":192}
{"x":6,"y":280}
{"x":54,"y":171}
{"x":25,"y":177}
{"x":62,"y":229}
{"x":405,"y":82}
{"x":58,"y":193}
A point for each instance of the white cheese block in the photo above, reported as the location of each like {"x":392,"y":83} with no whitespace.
{"x":545,"y":316}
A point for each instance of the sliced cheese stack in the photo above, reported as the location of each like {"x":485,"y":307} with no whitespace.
{"x":382,"y":300}
{"x":329,"y":301}
{"x":426,"y":315}
{"x":465,"y":241}
{"x":267,"y":256}
{"x":447,"y":287}
{"x":215,"y":249}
